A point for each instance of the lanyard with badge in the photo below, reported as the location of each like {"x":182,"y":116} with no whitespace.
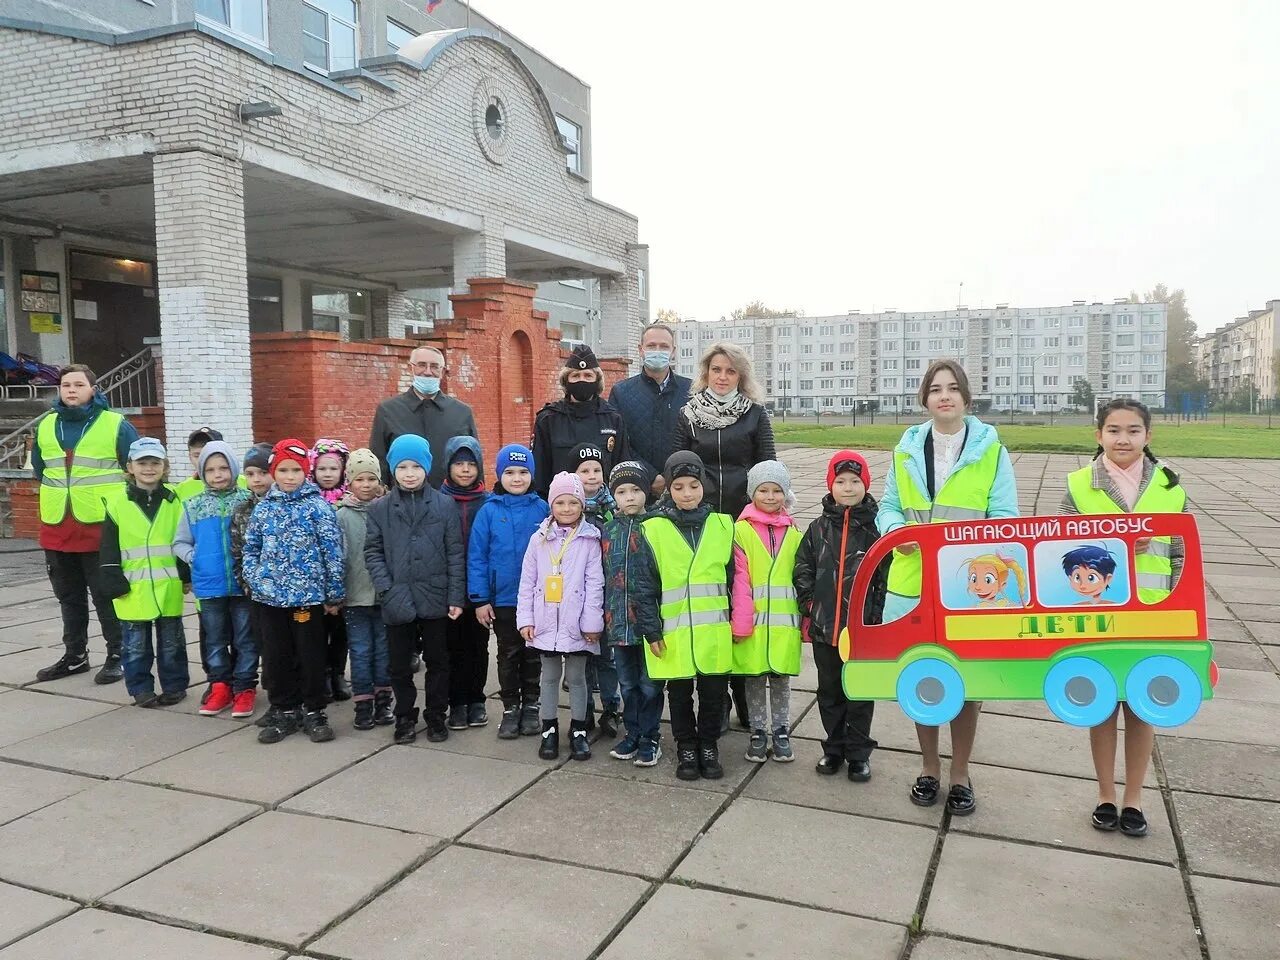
{"x":554,"y":585}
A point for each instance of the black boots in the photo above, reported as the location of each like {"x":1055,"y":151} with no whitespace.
{"x":549,"y":749}
{"x":458,"y":716}
{"x":71,"y":662}
{"x":317,"y":726}
{"x":709,"y":762}
{"x":579,"y":745}
{"x":406,"y":728}
{"x":509,"y":728}
{"x":530,"y":725}
{"x":437,"y":729}
{"x":382,"y":715}
{"x":609,"y":724}
{"x":364,"y":715}
{"x":283,"y":724}
{"x":338,"y":686}
{"x":687,"y":762}
{"x":111,"y":671}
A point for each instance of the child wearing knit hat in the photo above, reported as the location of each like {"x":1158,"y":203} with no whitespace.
{"x":328,"y":472}
{"x":829,"y":556}
{"x":766,"y":620}
{"x":256,"y":472}
{"x":602,"y":675}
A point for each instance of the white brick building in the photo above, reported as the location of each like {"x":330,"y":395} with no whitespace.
{"x":1019,"y":358}
{"x":196,"y":180}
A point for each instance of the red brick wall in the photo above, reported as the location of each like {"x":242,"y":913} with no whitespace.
{"x":24,"y":506}
{"x":149,"y":423}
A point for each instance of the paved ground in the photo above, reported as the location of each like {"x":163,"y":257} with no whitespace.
{"x":158,"y":834}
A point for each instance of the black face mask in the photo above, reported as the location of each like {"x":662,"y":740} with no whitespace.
{"x":580,"y":390}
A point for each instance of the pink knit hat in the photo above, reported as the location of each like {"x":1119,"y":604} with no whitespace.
{"x":566,"y":483}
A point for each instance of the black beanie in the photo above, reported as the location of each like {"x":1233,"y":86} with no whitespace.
{"x":259,"y":455}
{"x":684,"y":463}
{"x":588,"y":451}
{"x":630,"y":471}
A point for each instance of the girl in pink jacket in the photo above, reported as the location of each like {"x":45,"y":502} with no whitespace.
{"x":765,"y":614}
{"x":560,"y":610}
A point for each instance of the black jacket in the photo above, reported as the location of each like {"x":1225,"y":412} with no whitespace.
{"x":114,"y":583}
{"x":563,"y":426}
{"x":728,"y":454}
{"x":651,"y":416}
{"x":437,"y":418}
{"x":413,"y":549}
{"x":818,"y":565}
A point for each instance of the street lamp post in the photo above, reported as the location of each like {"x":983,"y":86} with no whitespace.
{"x":1034,"y":361}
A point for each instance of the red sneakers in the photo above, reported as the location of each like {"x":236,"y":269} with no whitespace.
{"x":244,"y":703}
{"x":218,"y":700}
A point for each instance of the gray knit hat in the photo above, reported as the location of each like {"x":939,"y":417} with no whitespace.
{"x":771,"y":471}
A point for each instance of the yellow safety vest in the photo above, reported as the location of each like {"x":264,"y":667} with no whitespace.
{"x":1155,"y":566}
{"x":95,"y":473}
{"x":774,"y":646}
{"x":965,"y":496}
{"x":694,"y":599}
{"x":147,"y":559}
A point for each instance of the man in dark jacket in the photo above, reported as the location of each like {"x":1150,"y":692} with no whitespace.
{"x":581,"y":417}
{"x":649,"y":403}
{"x":423,"y":410}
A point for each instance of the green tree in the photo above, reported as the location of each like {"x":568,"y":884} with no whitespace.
{"x":1082,"y":394}
{"x":758,"y":309}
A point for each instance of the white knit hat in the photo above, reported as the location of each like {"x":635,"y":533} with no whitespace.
{"x":771,"y":471}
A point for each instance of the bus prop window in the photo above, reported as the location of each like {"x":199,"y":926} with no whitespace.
{"x":984,"y":576}
{"x":1158,"y":562}
{"x":1082,"y":573}
{"x":902,"y":574}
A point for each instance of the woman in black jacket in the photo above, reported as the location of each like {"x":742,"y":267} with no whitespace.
{"x":580,"y":417}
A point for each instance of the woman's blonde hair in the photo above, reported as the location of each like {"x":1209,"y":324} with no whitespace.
{"x":562,"y":378}
{"x":747,"y":384}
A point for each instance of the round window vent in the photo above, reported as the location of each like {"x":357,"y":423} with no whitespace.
{"x":490,"y":120}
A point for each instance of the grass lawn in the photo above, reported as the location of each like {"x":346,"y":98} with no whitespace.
{"x":1168,"y":439}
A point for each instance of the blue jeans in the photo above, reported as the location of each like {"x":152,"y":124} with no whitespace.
{"x":367,"y":646}
{"x":229,"y":649}
{"x":641,"y":696}
{"x":169,"y":654}
{"x":602,"y":675}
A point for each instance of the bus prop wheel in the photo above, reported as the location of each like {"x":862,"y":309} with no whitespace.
{"x":930,"y":691}
{"x":1163,"y":691}
{"x":1080,"y":691}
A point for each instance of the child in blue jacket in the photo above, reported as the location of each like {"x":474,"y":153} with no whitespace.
{"x":499,"y":536}
{"x":293,"y":563}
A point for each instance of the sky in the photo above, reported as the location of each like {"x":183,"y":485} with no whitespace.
{"x":831,"y":156}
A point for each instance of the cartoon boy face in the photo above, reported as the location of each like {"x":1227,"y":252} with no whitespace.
{"x":984,"y":581}
{"x":1089,"y":583}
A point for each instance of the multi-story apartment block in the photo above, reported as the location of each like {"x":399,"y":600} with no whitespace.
{"x":1018,"y":358}
{"x":1240,"y":358}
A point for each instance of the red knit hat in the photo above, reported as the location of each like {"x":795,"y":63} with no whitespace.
{"x":848,"y":460}
{"x":293,"y":449}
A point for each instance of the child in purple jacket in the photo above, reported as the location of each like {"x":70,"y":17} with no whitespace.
{"x":560,"y":609}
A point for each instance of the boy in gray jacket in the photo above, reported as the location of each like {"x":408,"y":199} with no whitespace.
{"x":366,"y":633}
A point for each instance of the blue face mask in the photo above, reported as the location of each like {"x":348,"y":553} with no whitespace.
{"x":657,"y":359}
{"x":427,"y":386}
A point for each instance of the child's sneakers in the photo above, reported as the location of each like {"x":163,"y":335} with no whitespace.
{"x":283,"y":723}
{"x":709,"y":762}
{"x":609,"y":723}
{"x":530,"y":722}
{"x":407,"y":728}
{"x":687,"y":763}
{"x":219,"y":699}
{"x":626,"y":748}
{"x":364,"y":715}
{"x":317,"y":726}
{"x":648,"y":754}
{"x":147,"y":698}
{"x":458,"y":716}
{"x":477,"y":715}
{"x":509,"y":728}
{"x":243,"y":703}
{"x":437,"y":730}
{"x":170,"y":698}
{"x":758,"y":748}
{"x":382,"y":713}
{"x":781,"y":745}
{"x":579,"y":745}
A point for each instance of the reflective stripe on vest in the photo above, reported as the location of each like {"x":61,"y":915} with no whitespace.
{"x":965,"y":496}
{"x":147,"y":559}
{"x":1154,"y":565}
{"x":695,"y":598}
{"x":94,"y":474}
{"x":775,"y":644}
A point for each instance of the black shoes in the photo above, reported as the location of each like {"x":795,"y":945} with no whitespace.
{"x":709,"y":762}
{"x":687,"y":767}
{"x":339,"y":687}
{"x":68,"y":664}
{"x":148,"y":699}
{"x":317,"y":726}
{"x":829,"y":765}
{"x":170,"y":698}
{"x":579,"y":745}
{"x":509,"y":728}
{"x":282,"y":723}
{"x":530,"y":724}
{"x":382,"y":715}
{"x":111,"y":671}
{"x":437,"y":730}
{"x":406,"y":728}
{"x":859,"y":771}
{"x":458,"y":717}
{"x":960,"y":800}
{"x":477,"y":716}
{"x":609,"y":724}
{"x":364,"y":715}
{"x":549,"y":749}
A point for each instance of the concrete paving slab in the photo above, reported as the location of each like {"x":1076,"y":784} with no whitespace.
{"x":24,"y":911}
{"x":23,"y":788}
{"x":487,"y":899}
{"x":24,"y":715}
{"x":113,"y":744}
{"x":890,"y":727}
{"x":18,"y":667}
{"x":713,"y":924}
{"x":1229,"y":769}
{"x":437,"y":793}
{"x":1077,"y":904}
{"x":1235,"y":721}
{"x":1056,"y":811}
{"x":238,"y":766}
{"x":1230,"y":837}
{"x":97,"y":934}
{"x":1257,"y":685}
{"x":944,"y":948}
{"x":1241,"y":921}
{"x":1266,"y":632}
{"x":99,"y":839}
{"x":484,"y":742}
{"x":82,"y":685}
{"x":1047,"y":747}
{"x":733,"y":749}
{"x":247,"y":880}
{"x":536,"y":822}
{"x":806,"y":866}
{"x":1242,"y":655}
{"x":884,"y":795}
{"x":1261,"y":612}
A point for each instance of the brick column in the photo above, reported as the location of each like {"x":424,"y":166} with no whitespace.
{"x":482,"y":254}
{"x":204,"y":298}
{"x":619,"y":314}
{"x":390,"y":311}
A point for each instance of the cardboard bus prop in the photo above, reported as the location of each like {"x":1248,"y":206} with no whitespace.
{"x":1034,"y":608}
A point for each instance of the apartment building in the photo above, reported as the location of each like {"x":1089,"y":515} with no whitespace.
{"x":1239,"y":359}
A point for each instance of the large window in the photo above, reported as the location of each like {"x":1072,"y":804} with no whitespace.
{"x":341,"y":311}
{"x":329,"y":34}
{"x":266,"y":314}
{"x":571,"y":134}
{"x":247,"y":17}
{"x":398,"y":36}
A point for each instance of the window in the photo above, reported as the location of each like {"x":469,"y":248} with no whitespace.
{"x":1124,"y":339}
{"x":784,"y":348}
{"x":1150,"y":339}
{"x":889,"y":383}
{"x":1151,"y":319}
{"x":571,"y":135}
{"x":265,"y":312}
{"x":1075,"y":323}
{"x":846,"y":329}
{"x":914,"y":326}
{"x":957,"y":345}
{"x":806,"y":331}
{"x":1004,"y":343}
{"x":1076,"y":341}
{"x":1051,"y":361}
{"x":826,"y":384}
{"x":935,"y":346}
{"x":911,"y":383}
{"x":329,"y":35}
{"x":397,"y":36}
{"x":1048,"y":381}
{"x":806,"y":366}
{"x":806,"y":348}
{"x":1026,"y":343}
{"x":1028,"y":323}
{"x":340,"y":311}
{"x":1150,"y":379}
{"x":957,"y":326}
{"x":827,"y":366}
{"x":806,"y":384}
{"x":1124,"y":320}
{"x":887,"y":345}
{"x":826,"y":348}
{"x":935,"y":326}
{"x":1026,"y":400}
{"x":847,"y":383}
{"x":825,"y":331}
{"x":847,"y":401}
{"x":1052,"y":323}
{"x":1004,"y":361}
{"x":1124,"y":379}
{"x":913,"y":344}
{"x":246,"y":17}
{"x":890,"y":364}
{"x":1075,"y":360}
{"x":1026,"y":380}
{"x":1125,"y":359}
{"x":1004,"y":323}
{"x":1003,"y":381}
{"x":642,"y":283}
{"x":1052,"y":341}
{"x":889,"y":327}
{"x":686,"y":353}
{"x":1151,"y":359}
{"x":828,"y":401}
{"x":848,"y":366}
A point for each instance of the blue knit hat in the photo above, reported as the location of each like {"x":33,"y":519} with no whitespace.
{"x":409,"y":446}
{"x":514,"y":455}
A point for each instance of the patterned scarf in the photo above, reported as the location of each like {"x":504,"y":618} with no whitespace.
{"x":704,"y":410}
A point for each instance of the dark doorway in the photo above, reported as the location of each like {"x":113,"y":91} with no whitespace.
{"x":113,"y":308}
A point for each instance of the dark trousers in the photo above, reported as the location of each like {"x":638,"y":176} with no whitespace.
{"x":294,"y":656}
{"x":335,"y":631}
{"x":402,"y":642}
{"x":519,"y":666}
{"x":847,"y":722}
{"x":468,"y":641}
{"x":711,"y":698}
{"x":75,"y":578}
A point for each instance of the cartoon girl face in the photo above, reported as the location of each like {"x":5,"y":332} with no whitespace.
{"x":986,"y":582}
{"x":1089,"y":583}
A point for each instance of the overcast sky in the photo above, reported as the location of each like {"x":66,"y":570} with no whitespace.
{"x":841,"y":155}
